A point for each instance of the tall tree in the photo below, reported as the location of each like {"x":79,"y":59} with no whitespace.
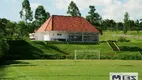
{"x":73,"y":9}
{"x":93,"y":17}
{"x":26,"y":13}
{"x":126,"y":22}
{"x":41,"y":15}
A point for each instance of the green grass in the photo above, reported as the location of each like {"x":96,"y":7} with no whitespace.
{"x":63,"y":50}
{"x":131,"y":44}
{"x":47,"y":50}
{"x":109,"y":35}
{"x":67,"y":69}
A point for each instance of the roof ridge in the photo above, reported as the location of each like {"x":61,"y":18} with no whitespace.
{"x":48,"y":23}
{"x":67,"y":16}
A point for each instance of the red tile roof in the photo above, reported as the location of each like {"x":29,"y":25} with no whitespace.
{"x":67,"y":23}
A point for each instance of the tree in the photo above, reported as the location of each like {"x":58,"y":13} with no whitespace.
{"x":105,"y":24}
{"x":73,"y":9}
{"x":140,"y":24}
{"x":112,"y":25}
{"x":126,"y":22}
{"x":10,"y":29}
{"x":93,"y":17}
{"x":3,"y":44}
{"x":131,"y":25}
{"x":109,"y":24}
{"x":3,"y":23}
{"x":26,"y":12}
{"x":22,"y":30}
{"x":2,"y":29}
{"x":41,"y":15}
{"x":120,"y":25}
{"x":137,"y":26}
{"x":33,"y":26}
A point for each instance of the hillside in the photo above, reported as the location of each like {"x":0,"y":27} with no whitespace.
{"x":62,"y":50}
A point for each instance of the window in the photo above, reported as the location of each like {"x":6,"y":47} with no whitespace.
{"x":59,"y":34}
{"x":90,"y":37}
{"x":75,"y":37}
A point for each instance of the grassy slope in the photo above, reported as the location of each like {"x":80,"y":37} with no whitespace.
{"x":127,"y":48}
{"x":39,"y":49}
{"x":50,"y":50}
{"x":67,"y":69}
{"x":69,"y":48}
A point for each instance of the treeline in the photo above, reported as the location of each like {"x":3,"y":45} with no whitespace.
{"x":10,"y":30}
{"x":20,"y":30}
{"x":127,"y":25}
{"x":30,"y":23}
{"x":107,"y":24}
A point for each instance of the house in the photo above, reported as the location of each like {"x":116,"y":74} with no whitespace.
{"x":67,"y":28}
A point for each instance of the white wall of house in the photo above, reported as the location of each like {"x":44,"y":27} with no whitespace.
{"x":39,"y":36}
{"x":51,"y":35}
{"x":62,"y":35}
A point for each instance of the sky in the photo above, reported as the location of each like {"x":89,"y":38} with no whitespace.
{"x":108,"y":9}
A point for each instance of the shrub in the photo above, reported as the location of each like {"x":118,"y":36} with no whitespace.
{"x":130,"y":56}
{"x":109,"y":55}
{"x":123,"y":39}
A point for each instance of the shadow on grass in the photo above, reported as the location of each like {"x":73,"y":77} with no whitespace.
{"x":8,"y":62}
{"x":126,"y":48}
{"x":127,"y":65}
{"x":48,"y":46}
{"x":56,"y":48}
{"x":18,"y":63}
{"x":2,"y":73}
{"x":12,"y":63}
{"x":23,"y":50}
{"x":140,"y":52}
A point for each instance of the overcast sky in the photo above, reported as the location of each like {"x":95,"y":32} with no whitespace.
{"x":111,"y":9}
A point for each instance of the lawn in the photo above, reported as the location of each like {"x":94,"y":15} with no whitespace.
{"x":115,"y":35}
{"x":67,"y":69}
{"x":55,"y":50}
{"x":61,"y":50}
